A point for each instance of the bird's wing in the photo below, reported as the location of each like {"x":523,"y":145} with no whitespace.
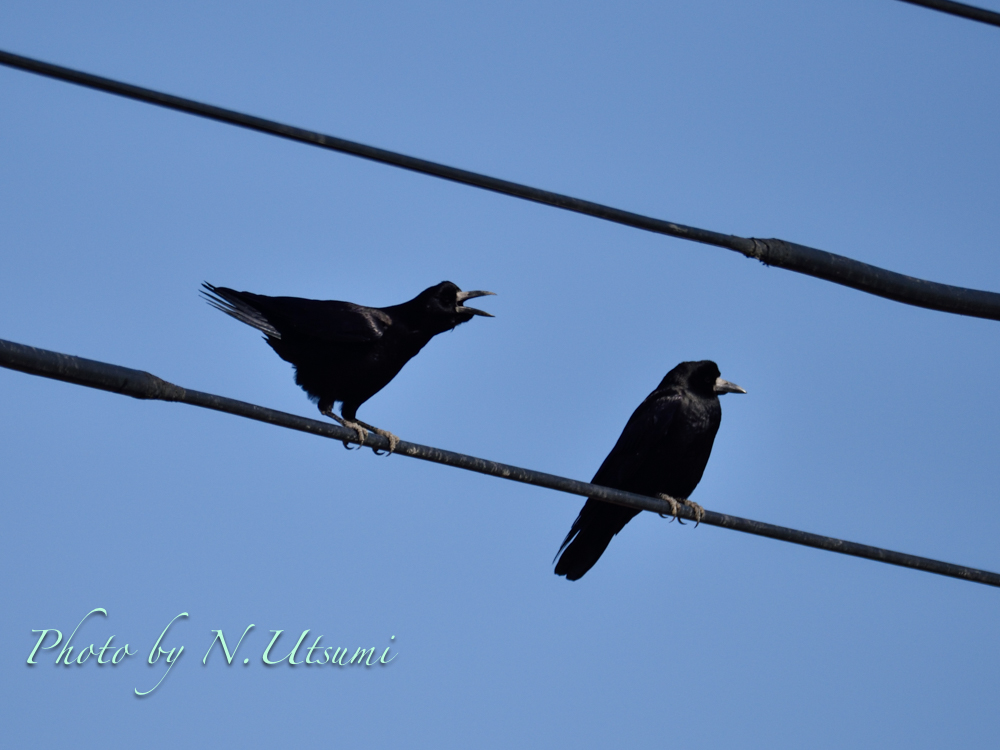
{"x":648,"y":422}
{"x":332,"y":321}
{"x":599,"y":521}
{"x":280,"y":317}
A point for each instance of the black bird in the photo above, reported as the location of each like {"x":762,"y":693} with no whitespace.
{"x":662,"y":452}
{"x":346,"y":352}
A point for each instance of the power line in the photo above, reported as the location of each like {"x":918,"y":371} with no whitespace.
{"x":959,"y":9}
{"x":143,"y":385}
{"x":772,"y":252}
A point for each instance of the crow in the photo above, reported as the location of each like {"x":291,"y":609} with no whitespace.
{"x":344,"y":352}
{"x":662,"y":452}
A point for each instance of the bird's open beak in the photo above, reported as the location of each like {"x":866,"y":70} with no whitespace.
{"x":724,"y":386}
{"x":462,"y":296}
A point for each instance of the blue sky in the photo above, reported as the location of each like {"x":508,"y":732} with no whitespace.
{"x":866,"y":128}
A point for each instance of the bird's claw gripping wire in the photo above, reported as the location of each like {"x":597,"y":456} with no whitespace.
{"x":674,"y":507}
{"x":357,"y":427}
{"x":362,"y":432}
{"x":393,"y":440}
{"x":699,"y":512}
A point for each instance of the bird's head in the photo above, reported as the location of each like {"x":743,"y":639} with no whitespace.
{"x":702,"y":378}
{"x":444,"y":303}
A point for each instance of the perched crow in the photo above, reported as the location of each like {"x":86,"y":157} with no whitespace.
{"x":662,"y":452}
{"x":342,"y":351}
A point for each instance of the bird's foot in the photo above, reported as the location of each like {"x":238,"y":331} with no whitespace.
{"x":674,"y":507}
{"x":362,"y":432}
{"x":393,"y":440}
{"x":699,"y":512}
{"x":357,"y":427}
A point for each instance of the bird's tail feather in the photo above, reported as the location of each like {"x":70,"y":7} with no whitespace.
{"x":581,"y":554}
{"x":232,"y":303}
{"x":590,"y":535}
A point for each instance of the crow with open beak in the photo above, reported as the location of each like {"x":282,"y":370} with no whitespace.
{"x":343,"y":352}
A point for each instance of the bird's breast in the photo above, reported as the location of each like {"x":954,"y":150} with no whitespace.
{"x":678,"y":459}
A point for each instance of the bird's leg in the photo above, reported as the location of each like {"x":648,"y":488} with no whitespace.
{"x":393,"y":440}
{"x":674,"y":507}
{"x":357,"y":427}
{"x":699,"y":512}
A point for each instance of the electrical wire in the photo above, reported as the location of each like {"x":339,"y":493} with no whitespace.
{"x":820,"y":264}
{"x":143,"y":385}
{"x":960,"y":9}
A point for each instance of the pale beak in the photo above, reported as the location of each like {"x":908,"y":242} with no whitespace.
{"x":462,"y":296}
{"x":724,"y":386}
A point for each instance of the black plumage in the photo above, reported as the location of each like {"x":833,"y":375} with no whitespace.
{"x":343,"y":352}
{"x":662,"y":451}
